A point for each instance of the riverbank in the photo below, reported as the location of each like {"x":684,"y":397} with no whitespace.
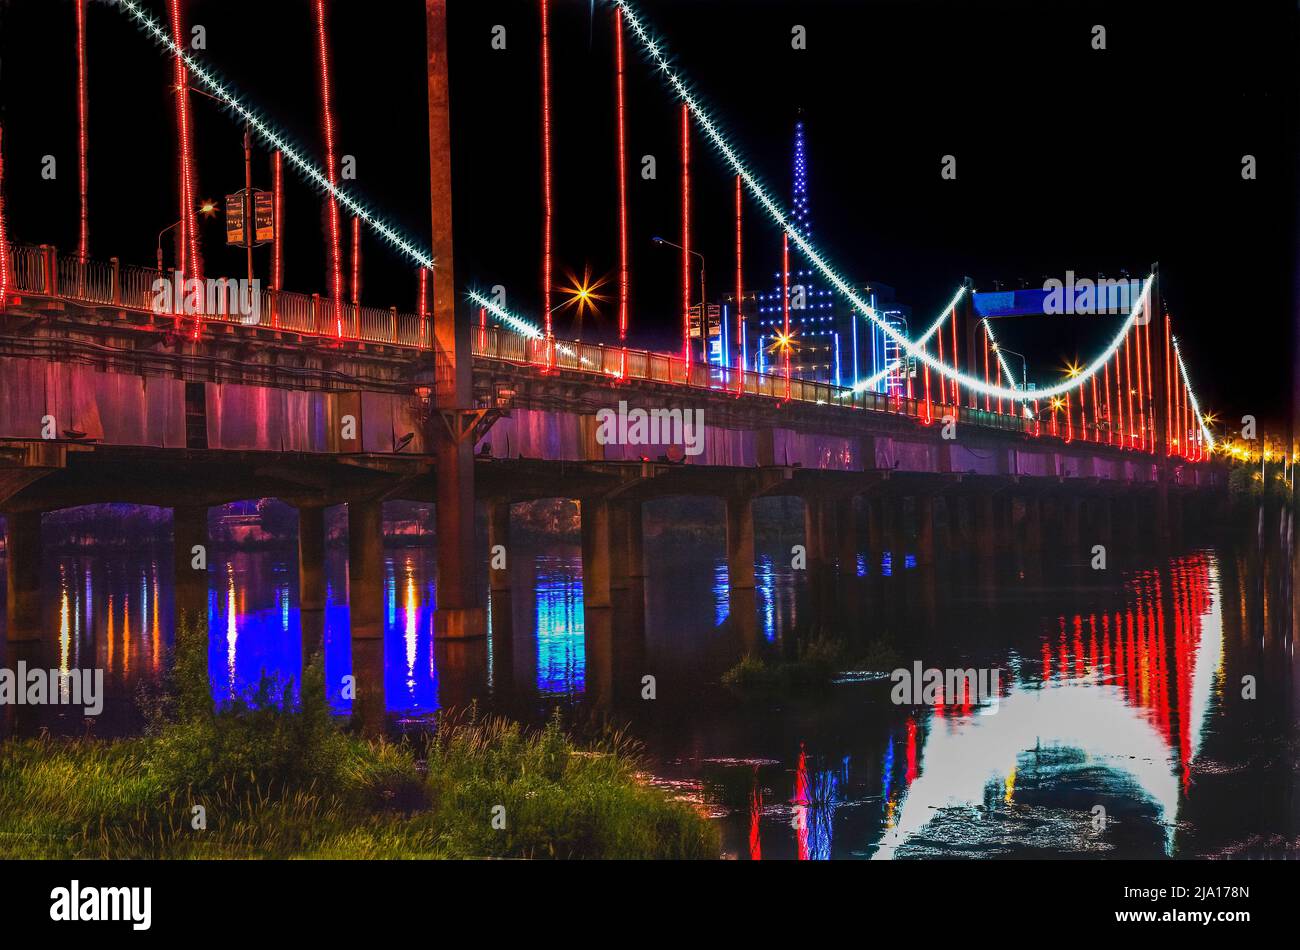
{"x":269,"y":777}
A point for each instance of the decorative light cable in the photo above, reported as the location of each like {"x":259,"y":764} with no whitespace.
{"x":272,"y":138}
{"x":654,"y":49}
{"x":871,"y":381}
{"x":4,"y":246}
{"x":1191,"y":396}
{"x":83,"y":239}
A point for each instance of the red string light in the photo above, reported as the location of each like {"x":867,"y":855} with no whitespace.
{"x":740,"y":298}
{"x":686,"y":243}
{"x":190,"y":263}
{"x":83,"y":242}
{"x":4,"y":244}
{"x":331,"y":170}
{"x":546,"y":184}
{"x":622,"y":182}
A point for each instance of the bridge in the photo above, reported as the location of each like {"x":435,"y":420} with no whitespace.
{"x":109,"y":397}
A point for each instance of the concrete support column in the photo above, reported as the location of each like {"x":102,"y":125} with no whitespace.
{"x":1070,"y":521}
{"x":875,"y":525}
{"x":595,"y":553}
{"x":311,"y":558}
{"x":925,"y":530}
{"x":460,"y":613}
{"x":892,"y":508}
{"x":625,"y":544}
{"x":846,"y":532}
{"x":366,"y":569}
{"x":812,"y":533}
{"x":635,"y":534}
{"x":1101,"y":520}
{"x":1175,"y":516}
{"x":1033,"y":522}
{"x":740,"y":541}
{"x":498,"y":518}
{"x":985,"y":525}
{"x":190,"y":530}
{"x":1005,"y":533}
{"x":23,"y":567}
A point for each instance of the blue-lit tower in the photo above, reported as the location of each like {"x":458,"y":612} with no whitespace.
{"x":832,"y":344}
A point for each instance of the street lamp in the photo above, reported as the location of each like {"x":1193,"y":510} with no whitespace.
{"x":704,"y":307}
{"x":208,"y":208}
{"x":1024,"y":367}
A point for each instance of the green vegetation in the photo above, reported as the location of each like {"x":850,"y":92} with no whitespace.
{"x":816,"y":663}
{"x":290,"y":782}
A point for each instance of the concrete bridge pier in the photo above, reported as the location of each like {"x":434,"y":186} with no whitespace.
{"x":986,"y":529}
{"x":626,"y":558}
{"x":190,"y":532}
{"x":845,"y":524}
{"x":1176,"y":517}
{"x":1004,"y":531}
{"x":740,"y":541}
{"x":892,"y":511}
{"x":366,"y":568}
{"x":311,"y":558}
{"x":1099,"y":524}
{"x":23,"y":567}
{"x":1070,"y":510}
{"x":925,"y":530}
{"x":1033,"y":523}
{"x":875,"y":526}
{"x":596,"y":543}
{"x":498,"y":519}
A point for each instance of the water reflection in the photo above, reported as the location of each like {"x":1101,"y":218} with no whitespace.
{"x":1113,"y":694}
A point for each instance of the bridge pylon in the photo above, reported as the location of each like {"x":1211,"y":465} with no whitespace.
{"x":460,"y":611}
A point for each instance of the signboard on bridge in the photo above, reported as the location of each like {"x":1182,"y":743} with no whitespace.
{"x":263,"y":217}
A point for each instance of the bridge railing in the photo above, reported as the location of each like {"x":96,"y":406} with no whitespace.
{"x":42,"y":271}
{"x":615,"y":363}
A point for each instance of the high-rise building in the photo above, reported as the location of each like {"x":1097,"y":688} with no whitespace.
{"x":829,"y":341}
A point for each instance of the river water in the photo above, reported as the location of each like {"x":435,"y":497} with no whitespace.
{"x":1121,"y":726}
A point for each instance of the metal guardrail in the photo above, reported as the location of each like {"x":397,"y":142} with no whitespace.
{"x":41,"y":271}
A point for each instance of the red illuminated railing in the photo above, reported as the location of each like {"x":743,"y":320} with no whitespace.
{"x":614,"y":362}
{"x":43,"y":272}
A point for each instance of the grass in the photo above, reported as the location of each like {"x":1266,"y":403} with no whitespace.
{"x":816,"y":663}
{"x":290,"y":783}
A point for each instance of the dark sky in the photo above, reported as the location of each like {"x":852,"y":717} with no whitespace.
{"x":1067,"y":158}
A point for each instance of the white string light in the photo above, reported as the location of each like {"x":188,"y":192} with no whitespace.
{"x":273,"y":138}
{"x":1191,"y":396}
{"x":871,"y":381}
{"x":759,"y":193}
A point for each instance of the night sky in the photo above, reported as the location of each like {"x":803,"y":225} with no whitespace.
{"x":1067,"y":157}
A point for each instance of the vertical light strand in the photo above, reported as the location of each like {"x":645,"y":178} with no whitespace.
{"x":83,"y":238}
{"x":422,"y":304}
{"x":547,"y":206}
{"x":277,"y":239}
{"x":331,"y":168}
{"x":356,"y":265}
{"x":740,"y":296}
{"x":1069,"y":420}
{"x":988,"y":406}
{"x":786,"y":343}
{"x":1083,"y":413}
{"x":482,"y":329}
{"x":943,"y":380}
{"x":1110,"y":417}
{"x":1150,"y":403}
{"x":1096,"y":411}
{"x":956,"y":387}
{"x":1169,"y":393}
{"x":190,"y":264}
{"x":1128,"y":392}
{"x":1136,"y":334}
{"x":4,"y":241}
{"x":686,"y":244}
{"x":622,"y":188}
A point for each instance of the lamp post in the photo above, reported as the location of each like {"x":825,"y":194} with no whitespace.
{"x":704,"y":307}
